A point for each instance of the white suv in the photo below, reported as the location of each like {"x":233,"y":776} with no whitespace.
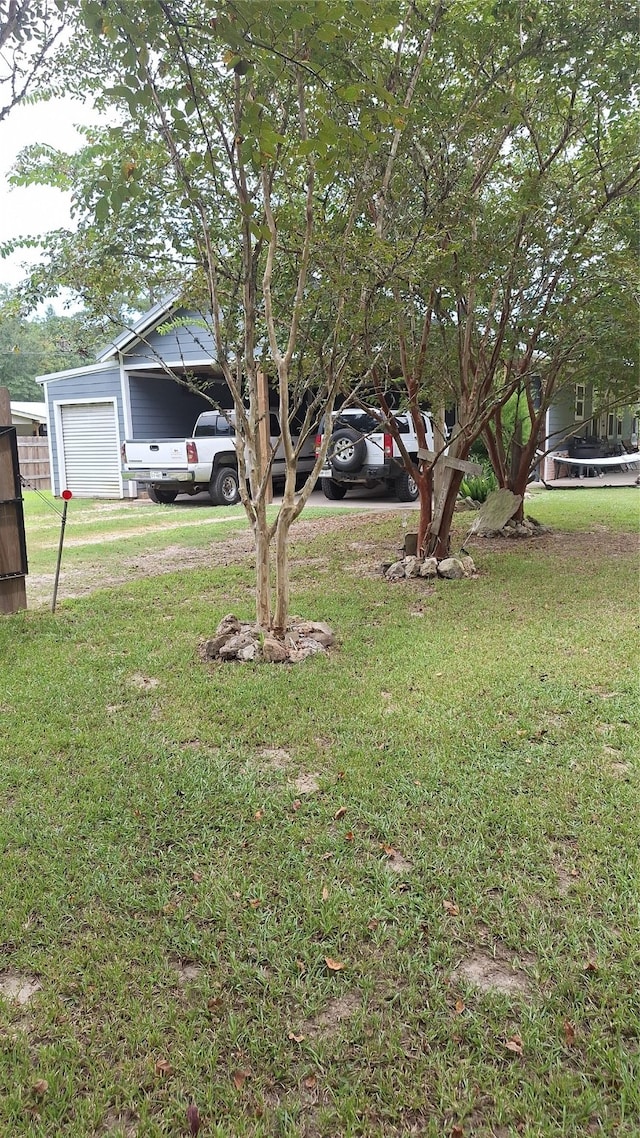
{"x":362,"y":453}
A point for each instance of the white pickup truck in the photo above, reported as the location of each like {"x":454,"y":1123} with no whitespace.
{"x":361,"y":452}
{"x":207,"y":461}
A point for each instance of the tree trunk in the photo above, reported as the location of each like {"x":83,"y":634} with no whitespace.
{"x":285,"y":518}
{"x":440,"y":543}
{"x":263,"y":575}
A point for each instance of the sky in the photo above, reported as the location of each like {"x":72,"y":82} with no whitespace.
{"x":30,"y":210}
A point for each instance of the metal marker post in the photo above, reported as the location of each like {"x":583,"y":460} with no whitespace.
{"x":66,"y":495}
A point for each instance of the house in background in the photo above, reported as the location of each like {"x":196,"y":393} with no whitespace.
{"x":572,"y":427}
{"x":127,"y":394}
{"x":29,"y":418}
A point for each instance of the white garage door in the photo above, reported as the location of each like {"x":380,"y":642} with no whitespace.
{"x":90,"y":450}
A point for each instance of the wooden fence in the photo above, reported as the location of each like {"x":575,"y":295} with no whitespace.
{"x":33,"y":456}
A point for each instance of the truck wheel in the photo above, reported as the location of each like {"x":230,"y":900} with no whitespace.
{"x":223,"y":487}
{"x":347,"y":450}
{"x":161,"y":497}
{"x":332,"y":490}
{"x":406,"y":488}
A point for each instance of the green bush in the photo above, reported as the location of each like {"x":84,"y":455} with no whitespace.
{"x":479,"y":486}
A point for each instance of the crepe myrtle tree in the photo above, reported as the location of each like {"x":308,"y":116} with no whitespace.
{"x":29,"y":32}
{"x":245,"y":118}
{"x":519,"y":147}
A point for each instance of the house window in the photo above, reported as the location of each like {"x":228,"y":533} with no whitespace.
{"x":610,"y":425}
{"x":579,"y":404}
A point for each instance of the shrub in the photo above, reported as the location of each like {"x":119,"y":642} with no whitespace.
{"x":479,"y":486}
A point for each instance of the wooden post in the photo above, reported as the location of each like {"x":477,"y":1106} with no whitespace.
{"x":13,"y":556}
{"x":264,"y":432}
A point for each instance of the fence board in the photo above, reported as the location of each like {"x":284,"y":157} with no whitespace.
{"x":33,"y":457}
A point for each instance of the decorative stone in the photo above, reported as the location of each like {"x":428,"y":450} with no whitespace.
{"x":249,"y":652}
{"x":464,"y":504}
{"x":396,"y":571}
{"x":451,"y":568}
{"x":468,"y":565}
{"x":233,"y":644}
{"x":212,"y":647}
{"x":411,"y":566}
{"x":228,"y":624}
{"x":499,"y":507}
{"x":410,"y":544}
{"x":429,"y":567}
{"x":274,"y":650}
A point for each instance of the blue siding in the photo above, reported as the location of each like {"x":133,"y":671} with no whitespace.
{"x":190,"y":345}
{"x":162,"y":409}
{"x":93,"y":385}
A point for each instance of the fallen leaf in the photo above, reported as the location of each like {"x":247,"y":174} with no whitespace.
{"x":255,"y":902}
{"x":333,"y":965}
{"x":296,"y":1038}
{"x":197,"y":877}
{"x":348,"y":836}
{"x":373,"y":924}
{"x":296,"y":804}
{"x":460,"y":1007}
{"x":340,"y":812}
{"x":216,"y":1004}
{"x":193,"y":1118}
{"x":302,"y":968}
{"x":239,"y":1079}
{"x":325,"y":894}
{"x":591,"y":966}
{"x":40,"y":1087}
{"x":339,"y":776}
{"x":258,"y":815}
{"x":515,"y":1045}
{"x":451,"y":908}
{"x":326,"y":856}
{"x":163,"y":1067}
{"x":310,"y":1082}
{"x":569,"y":1033}
{"x":389,"y":850}
{"x":457,"y":1131}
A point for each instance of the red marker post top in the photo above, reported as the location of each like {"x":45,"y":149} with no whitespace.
{"x":66,"y":494}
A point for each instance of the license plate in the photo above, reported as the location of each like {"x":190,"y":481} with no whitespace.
{"x":157,"y":475}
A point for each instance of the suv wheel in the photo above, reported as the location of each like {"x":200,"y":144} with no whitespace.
{"x":333,"y":490}
{"x":406,"y":487}
{"x":347,"y":450}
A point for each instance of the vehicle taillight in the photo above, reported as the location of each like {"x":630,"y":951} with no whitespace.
{"x":192,"y":452}
{"x":388,"y":446}
{"x":318,"y":444}
{"x":123,"y":454}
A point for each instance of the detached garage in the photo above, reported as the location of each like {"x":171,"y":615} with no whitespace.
{"x":127,"y":394}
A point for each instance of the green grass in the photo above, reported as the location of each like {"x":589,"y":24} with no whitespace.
{"x":486,"y":729}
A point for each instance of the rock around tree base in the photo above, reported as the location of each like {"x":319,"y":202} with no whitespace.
{"x":242,"y":642}
{"x":450,"y":568}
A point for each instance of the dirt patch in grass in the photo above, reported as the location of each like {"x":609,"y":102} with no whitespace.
{"x":492,"y":974}
{"x":275,"y":758}
{"x":143,"y":683}
{"x":327,"y":1022}
{"x":396,"y":863}
{"x":307,"y":783}
{"x":17,"y":987}
{"x":186,"y":972}
{"x":238,"y":548}
{"x":119,"y":1124}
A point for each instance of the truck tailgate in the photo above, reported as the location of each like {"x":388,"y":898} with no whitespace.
{"x":156,"y":453}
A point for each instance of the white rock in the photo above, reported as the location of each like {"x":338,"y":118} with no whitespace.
{"x":429,"y":567}
{"x":451,"y":568}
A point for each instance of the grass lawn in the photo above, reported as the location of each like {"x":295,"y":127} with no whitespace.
{"x":389,"y":892}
